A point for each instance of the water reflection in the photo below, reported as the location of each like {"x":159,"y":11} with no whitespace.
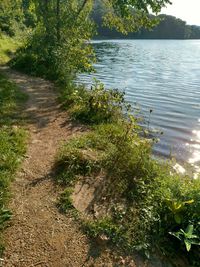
{"x":106,"y":49}
{"x":194,"y":160}
{"x":163,"y":76}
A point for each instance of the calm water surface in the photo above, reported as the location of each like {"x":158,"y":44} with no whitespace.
{"x":163,"y":75}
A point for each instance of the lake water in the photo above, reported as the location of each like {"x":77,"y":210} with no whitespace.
{"x":163,"y":75}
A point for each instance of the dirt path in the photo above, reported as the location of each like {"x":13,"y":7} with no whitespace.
{"x":39,"y":235}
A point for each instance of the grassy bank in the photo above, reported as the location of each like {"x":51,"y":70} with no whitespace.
{"x":144,"y":204}
{"x":147,"y":206}
{"x":12,"y":141}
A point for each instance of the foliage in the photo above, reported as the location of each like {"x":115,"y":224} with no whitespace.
{"x":59,"y":48}
{"x":10,"y":16}
{"x":107,"y":230}
{"x":170,"y":28}
{"x":28,"y":13}
{"x":12,"y":141}
{"x":73,"y":162}
{"x":16,"y":15}
{"x":150,"y":199}
{"x":10,"y":100}
{"x":8,"y":46}
{"x":187,"y":236}
{"x":96,"y":105}
{"x":126,"y":16}
{"x":176,"y":207}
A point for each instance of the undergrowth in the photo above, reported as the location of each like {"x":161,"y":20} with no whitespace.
{"x":153,"y":205}
{"x":8,"y":46}
{"x":12,"y":141}
{"x":94,"y":105}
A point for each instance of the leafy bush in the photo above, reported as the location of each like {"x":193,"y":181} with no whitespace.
{"x":34,"y":58}
{"x":58,"y":46}
{"x":95,"y":105}
{"x":10,"y":17}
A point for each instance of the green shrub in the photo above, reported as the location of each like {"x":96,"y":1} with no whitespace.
{"x":95,"y":105}
{"x":55,"y":54}
{"x":150,"y":199}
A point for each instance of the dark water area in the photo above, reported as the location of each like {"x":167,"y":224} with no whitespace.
{"x":162,"y":75}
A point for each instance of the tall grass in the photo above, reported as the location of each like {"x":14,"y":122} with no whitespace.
{"x":12,"y":141}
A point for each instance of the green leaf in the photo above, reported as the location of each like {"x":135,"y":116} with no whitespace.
{"x":178,"y":218}
{"x":176,"y":234}
{"x":195,"y":242}
{"x":187,"y":244}
{"x":189,"y":201}
{"x":189,"y":229}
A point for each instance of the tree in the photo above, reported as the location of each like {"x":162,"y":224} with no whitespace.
{"x":28,"y":9}
{"x":10,"y":16}
{"x":59,"y":45}
{"x":127,"y":15}
{"x":15,"y":15}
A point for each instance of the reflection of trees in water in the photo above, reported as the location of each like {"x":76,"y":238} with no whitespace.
{"x":106,"y":50}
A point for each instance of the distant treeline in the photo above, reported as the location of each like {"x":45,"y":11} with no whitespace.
{"x":169,"y":27}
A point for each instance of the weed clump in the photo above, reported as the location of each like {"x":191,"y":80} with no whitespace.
{"x":65,"y":202}
{"x":73,"y":161}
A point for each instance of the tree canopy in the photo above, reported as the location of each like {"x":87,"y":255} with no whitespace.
{"x":58,"y":43}
{"x":125,"y":15}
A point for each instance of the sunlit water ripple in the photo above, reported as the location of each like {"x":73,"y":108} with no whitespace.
{"x":163,"y":75}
